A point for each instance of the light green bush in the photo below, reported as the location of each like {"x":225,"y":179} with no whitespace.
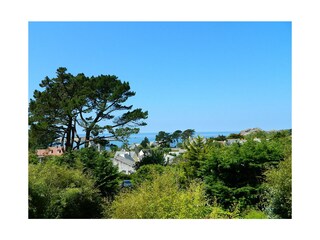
{"x":279,"y":190}
{"x":162,"y":197}
{"x":254,"y":214}
{"x":58,"y":192}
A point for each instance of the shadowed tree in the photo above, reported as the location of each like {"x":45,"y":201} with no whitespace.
{"x":176,"y":136}
{"x":186,"y":134}
{"x":95,"y":103}
{"x":163,"y":138}
{"x":53,"y":111}
{"x":152,"y":157}
{"x":104,"y":99}
{"x":144,"y":143}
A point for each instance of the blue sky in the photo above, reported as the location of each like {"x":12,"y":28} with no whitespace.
{"x":209,"y":76}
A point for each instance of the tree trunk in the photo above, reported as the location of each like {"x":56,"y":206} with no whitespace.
{"x":68,"y":138}
{"x":73,"y":133}
{"x":88,"y":131}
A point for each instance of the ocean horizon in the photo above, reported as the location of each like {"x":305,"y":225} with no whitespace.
{"x":137,"y":138}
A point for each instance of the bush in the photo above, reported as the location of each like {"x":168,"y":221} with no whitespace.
{"x":146,"y":172}
{"x":220,"y":138}
{"x":32,"y":157}
{"x":155,"y":156}
{"x":162,"y":197}
{"x":235,"y":136}
{"x":101,"y":168}
{"x":235,"y":173}
{"x":254,"y":214}
{"x":279,"y":190}
{"x":58,"y":192}
{"x":220,"y":213}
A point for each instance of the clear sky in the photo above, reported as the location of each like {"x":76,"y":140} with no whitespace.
{"x":208,"y":76}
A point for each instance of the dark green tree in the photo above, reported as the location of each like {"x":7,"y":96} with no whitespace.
{"x":176,"y":136}
{"x":220,"y":138}
{"x":101,"y":168}
{"x":144,"y":143}
{"x":145,"y":173}
{"x":154,"y":156}
{"x":186,"y":134}
{"x":104,"y":100}
{"x":235,"y":136}
{"x":197,"y":150}
{"x":163,"y":138}
{"x":235,"y":173}
{"x":94,"y":103}
{"x":53,"y":111}
{"x":40,"y":137}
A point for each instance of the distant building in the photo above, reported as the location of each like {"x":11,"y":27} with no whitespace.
{"x":125,"y":160}
{"x":173,"y":153}
{"x":257,"y":139}
{"x":231,"y":141}
{"x":168,"y":158}
{"x":50,"y":151}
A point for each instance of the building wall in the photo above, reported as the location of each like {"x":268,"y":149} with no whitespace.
{"x":123,"y":166}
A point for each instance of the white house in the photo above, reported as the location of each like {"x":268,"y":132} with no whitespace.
{"x":173,"y":153}
{"x":125,"y":160}
{"x":231,"y":141}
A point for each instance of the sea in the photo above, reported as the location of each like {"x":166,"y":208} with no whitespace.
{"x":137,"y":138}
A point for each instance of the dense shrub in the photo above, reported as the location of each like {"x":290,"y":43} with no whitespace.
{"x":100,"y":167}
{"x":235,"y":173}
{"x":153,"y":156}
{"x":278,"y":188}
{"x":162,"y":197}
{"x":220,"y":138}
{"x":146,"y":172}
{"x":254,"y":214}
{"x":235,"y":136}
{"x":58,"y":192}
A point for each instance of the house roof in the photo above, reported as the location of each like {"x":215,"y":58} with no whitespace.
{"x":123,"y":160}
{"x":50,"y":151}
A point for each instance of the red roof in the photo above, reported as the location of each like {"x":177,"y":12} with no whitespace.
{"x":50,"y":151}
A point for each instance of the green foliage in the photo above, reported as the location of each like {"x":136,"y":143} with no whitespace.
{"x":257,"y":134}
{"x":234,"y":174}
{"x":69,"y":158}
{"x":278,"y":188}
{"x":52,"y":111}
{"x":59,"y":192}
{"x":220,"y":213}
{"x":186,"y":134}
{"x":114,"y":148}
{"x":179,"y":145}
{"x":101,"y":168}
{"x":220,"y":138}
{"x":196,"y":155}
{"x":254,"y":214}
{"x":96,"y":164}
{"x":146,"y":172}
{"x":94,"y":103}
{"x":154,"y":156}
{"x":40,"y":136}
{"x":32,"y":157}
{"x":164,"y":139}
{"x":235,"y":136}
{"x":176,"y":136}
{"x":162,"y":197}
{"x":144,"y":143}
